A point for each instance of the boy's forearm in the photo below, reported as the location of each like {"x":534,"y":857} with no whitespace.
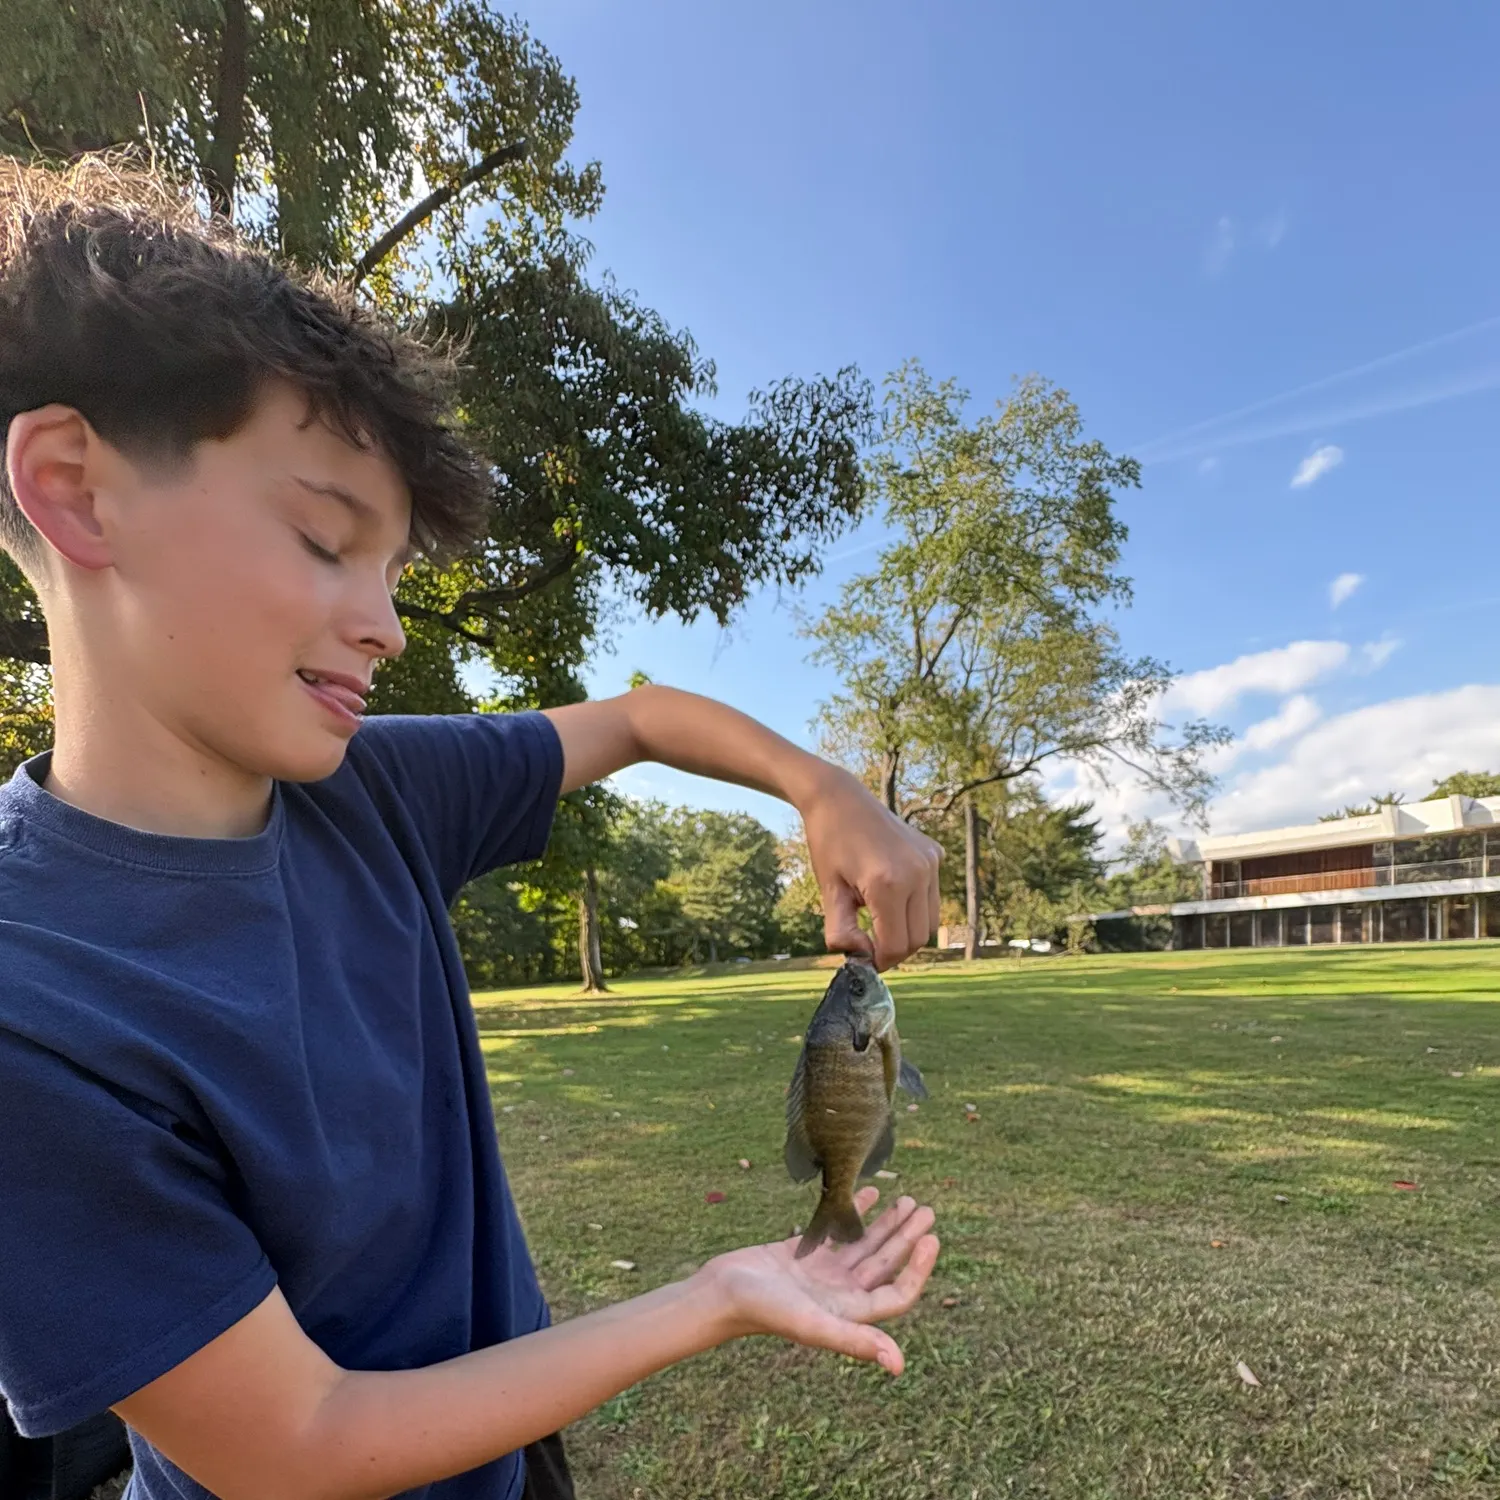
{"x":381,"y":1432}
{"x":688,"y":733}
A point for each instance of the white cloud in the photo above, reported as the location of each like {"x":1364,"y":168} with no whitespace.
{"x":1273,"y":230}
{"x":1208,"y":465}
{"x":1405,"y":743}
{"x":1343,"y":588}
{"x":1375,"y":654}
{"x":1220,"y":247}
{"x":1297,"y":715}
{"x":1282,"y":671}
{"x":1317,"y":464}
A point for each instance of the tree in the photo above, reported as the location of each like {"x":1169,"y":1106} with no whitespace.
{"x":725,"y":877}
{"x":974,"y":653}
{"x":1364,"y":809}
{"x":1146,"y":875}
{"x":418,"y":150}
{"x":1466,"y":784}
{"x":799,"y":907}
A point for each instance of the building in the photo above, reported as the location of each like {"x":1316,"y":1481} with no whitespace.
{"x":1423,"y":872}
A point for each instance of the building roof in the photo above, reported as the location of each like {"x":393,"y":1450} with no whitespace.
{"x":1406,"y":821}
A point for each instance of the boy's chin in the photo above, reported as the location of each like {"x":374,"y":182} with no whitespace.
{"x":307,"y":762}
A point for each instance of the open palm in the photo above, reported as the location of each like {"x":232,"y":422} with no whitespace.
{"x":830,"y":1298}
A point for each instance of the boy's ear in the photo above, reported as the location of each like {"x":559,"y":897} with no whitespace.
{"x":47,"y":457}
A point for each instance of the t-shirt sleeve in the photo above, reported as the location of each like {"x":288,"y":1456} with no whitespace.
{"x":120,"y":1253}
{"x":481,"y":788}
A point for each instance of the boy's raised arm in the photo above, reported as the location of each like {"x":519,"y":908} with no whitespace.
{"x":862,"y":854}
{"x":262,"y":1411}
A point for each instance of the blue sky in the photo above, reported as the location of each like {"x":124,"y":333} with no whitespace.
{"x":1258,"y":245}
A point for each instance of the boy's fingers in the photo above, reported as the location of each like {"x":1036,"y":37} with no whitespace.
{"x":883,"y":1228}
{"x":888,"y":1259}
{"x":899,"y":1296}
{"x":841,"y":930}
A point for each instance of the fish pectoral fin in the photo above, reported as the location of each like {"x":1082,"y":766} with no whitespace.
{"x":911,"y":1080}
{"x":880,"y":1152}
{"x":801,"y":1160}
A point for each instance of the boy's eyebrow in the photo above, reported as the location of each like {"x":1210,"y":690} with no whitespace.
{"x":361,"y":508}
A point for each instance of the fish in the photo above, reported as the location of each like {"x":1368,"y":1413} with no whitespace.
{"x":839,"y":1119}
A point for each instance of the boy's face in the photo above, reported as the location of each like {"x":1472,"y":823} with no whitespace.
{"x":251,"y":590}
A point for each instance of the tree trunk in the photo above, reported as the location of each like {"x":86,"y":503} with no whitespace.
{"x":222,"y":164}
{"x":590,"y":960}
{"x":889,"y":775}
{"x":971,"y":876}
{"x":713,"y":950}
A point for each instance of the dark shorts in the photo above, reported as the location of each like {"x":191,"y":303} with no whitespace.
{"x":547,"y":1476}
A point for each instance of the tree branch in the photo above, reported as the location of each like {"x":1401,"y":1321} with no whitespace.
{"x":25,"y":640}
{"x":221,"y":166}
{"x":424,"y":210}
{"x":477,"y":601}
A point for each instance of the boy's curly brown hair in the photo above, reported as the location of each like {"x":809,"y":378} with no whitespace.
{"x":119,"y":298}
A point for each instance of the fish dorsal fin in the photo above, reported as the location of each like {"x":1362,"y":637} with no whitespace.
{"x":801,"y":1161}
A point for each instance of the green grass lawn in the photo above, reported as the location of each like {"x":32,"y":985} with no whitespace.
{"x":1133,"y":1111}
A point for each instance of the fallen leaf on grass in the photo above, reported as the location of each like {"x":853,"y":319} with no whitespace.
{"x":950,"y":1301}
{"x":973,"y":1109}
{"x":744,"y":1163}
{"x":1455,"y":1075}
{"x":889,"y":1176}
{"x":1276,"y":1039}
{"x":972,"y":1116}
{"x":950,"y":1182}
{"x":911,"y":1109}
{"x":596,"y":1226}
{"x":1282,"y":1198}
{"x":567,"y":1072}
{"x":544,"y":1138}
{"x":1406,"y":1187}
{"x":1246,"y":1373}
{"x":1218,"y":1244}
{"x":623,"y":1265}
{"x":714,"y":1197}
{"x":505,"y":1109}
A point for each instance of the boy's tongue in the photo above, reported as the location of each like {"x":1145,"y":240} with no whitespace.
{"x":345,"y":697}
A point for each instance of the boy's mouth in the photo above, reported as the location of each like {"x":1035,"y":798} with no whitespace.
{"x":344,"y":696}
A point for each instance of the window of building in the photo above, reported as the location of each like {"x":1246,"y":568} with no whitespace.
{"x":1321,"y":919}
{"x":1268,"y":929}
{"x":1403,"y":921}
{"x":1491,"y":925}
{"x":1215,"y":930}
{"x":1462,"y":911}
{"x":1352,"y":924}
{"x":1296,"y":926}
{"x":1242,"y":929}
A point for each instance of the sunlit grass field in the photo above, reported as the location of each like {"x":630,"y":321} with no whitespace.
{"x":1180,"y":1163}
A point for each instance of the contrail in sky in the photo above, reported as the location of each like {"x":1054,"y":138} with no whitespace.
{"x":1172,"y":444}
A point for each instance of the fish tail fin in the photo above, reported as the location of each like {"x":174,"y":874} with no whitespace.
{"x":836,"y":1219}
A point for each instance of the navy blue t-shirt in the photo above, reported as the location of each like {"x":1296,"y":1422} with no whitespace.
{"x":228,"y":1065}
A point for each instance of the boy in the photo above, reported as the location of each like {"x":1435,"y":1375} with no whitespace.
{"x":252,"y":1198}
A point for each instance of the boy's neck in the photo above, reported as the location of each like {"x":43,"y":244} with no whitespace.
{"x":126,"y":768}
{"x":183,"y":802}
